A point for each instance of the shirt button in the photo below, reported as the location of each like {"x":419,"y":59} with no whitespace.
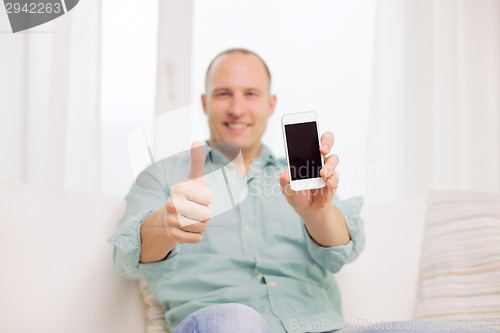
{"x":259,"y":276}
{"x":246,"y":228}
{"x":272,"y":284}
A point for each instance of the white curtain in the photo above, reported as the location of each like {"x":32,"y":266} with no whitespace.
{"x":50,"y":101}
{"x":435,"y":119}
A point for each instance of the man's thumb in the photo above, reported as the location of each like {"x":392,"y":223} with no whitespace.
{"x":197,"y":161}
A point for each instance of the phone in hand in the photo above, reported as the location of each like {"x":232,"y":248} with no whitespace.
{"x":302,"y":144}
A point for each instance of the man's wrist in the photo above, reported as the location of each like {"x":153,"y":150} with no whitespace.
{"x":156,"y":245}
{"x":317,"y":216}
{"x":327,"y":227}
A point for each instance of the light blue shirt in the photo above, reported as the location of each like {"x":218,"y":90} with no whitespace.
{"x":258,"y":253}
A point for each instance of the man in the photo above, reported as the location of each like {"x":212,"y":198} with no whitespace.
{"x":265,"y":265}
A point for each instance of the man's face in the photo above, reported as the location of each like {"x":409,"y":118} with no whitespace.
{"x":237,"y":101}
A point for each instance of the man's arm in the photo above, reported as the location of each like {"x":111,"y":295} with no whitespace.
{"x":333,"y":228}
{"x":333,"y":258}
{"x":323,"y":220}
{"x":147,"y":234}
{"x":326,"y":226}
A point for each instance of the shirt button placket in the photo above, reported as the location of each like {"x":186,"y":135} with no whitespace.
{"x":247,"y":232}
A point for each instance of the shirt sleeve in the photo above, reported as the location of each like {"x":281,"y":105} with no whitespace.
{"x":147,"y":194}
{"x":334,"y":257}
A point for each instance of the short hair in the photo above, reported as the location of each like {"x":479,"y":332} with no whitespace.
{"x":237,"y":50}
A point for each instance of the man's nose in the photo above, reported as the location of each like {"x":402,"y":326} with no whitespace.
{"x":236,"y":108}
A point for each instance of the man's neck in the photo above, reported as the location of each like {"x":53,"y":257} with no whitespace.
{"x":250,"y":155}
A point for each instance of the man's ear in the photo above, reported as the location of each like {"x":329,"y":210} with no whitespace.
{"x":204,"y":102}
{"x":272,"y":104}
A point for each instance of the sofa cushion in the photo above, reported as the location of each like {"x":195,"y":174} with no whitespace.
{"x":460,"y":261}
{"x":57,"y":272}
{"x":155,"y":313}
{"x":381,"y":284}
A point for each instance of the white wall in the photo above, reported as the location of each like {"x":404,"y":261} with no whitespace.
{"x":319,"y":54}
{"x":12,"y":64}
{"x":128,"y":94}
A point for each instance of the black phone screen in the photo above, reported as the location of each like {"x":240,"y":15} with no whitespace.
{"x":303,"y":150}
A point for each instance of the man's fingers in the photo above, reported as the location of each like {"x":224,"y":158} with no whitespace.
{"x":284,"y":178}
{"x":197,"y":193}
{"x":197,"y":161}
{"x":331,"y":163}
{"x":333,"y":180}
{"x":286,"y":189}
{"x":183,"y":222}
{"x":326,"y":142}
{"x":182,"y":236}
{"x":189,"y":203}
{"x":179,"y":221}
{"x":188,"y":224}
{"x":191,"y":209}
{"x":196,"y":226}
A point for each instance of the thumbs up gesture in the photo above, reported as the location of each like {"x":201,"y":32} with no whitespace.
{"x":187,"y":208}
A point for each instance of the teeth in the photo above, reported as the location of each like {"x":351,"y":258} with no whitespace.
{"x":232,"y":125}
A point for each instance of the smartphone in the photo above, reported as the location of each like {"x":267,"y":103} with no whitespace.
{"x":302,"y":144}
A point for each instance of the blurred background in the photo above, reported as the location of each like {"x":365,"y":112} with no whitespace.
{"x":411,"y":89}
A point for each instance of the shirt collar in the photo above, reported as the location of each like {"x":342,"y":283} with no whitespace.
{"x":264,"y":159}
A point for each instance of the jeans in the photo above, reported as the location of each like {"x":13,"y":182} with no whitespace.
{"x":224,"y":318}
{"x":233,"y":317}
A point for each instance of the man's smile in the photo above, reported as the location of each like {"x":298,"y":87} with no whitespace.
{"x":236,"y":126}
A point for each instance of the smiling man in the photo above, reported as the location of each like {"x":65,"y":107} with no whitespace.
{"x":238,"y":103}
{"x":268,"y":264}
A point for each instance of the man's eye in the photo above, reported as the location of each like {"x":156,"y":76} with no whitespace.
{"x":222,"y":94}
{"x":250,"y":93}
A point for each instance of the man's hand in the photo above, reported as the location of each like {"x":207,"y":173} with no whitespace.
{"x":184,"y":217}
{"x":187,"y":210}
{"x":302,"y":201}
{"x":323,"y":220}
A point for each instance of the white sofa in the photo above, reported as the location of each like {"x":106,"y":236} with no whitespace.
{"x":381,"y":285}
{"x":57,"y":273}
